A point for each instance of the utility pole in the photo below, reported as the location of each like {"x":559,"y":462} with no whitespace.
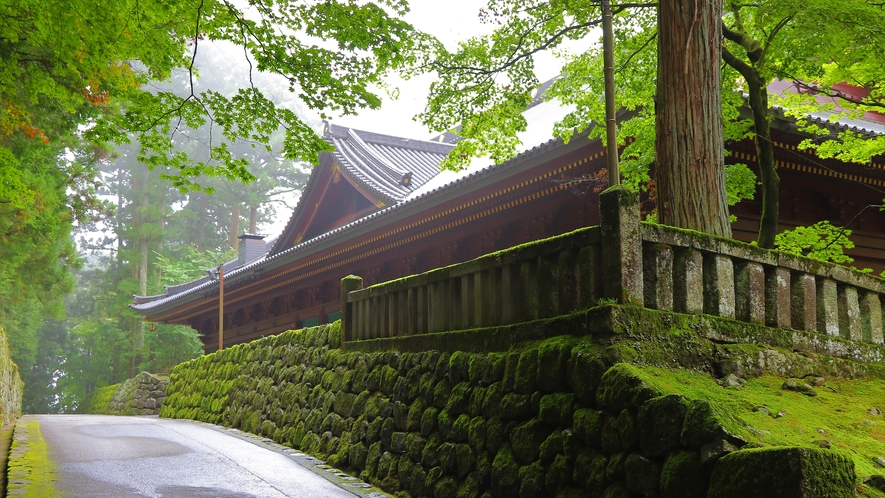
{"x":220,"y":306}
{"x":611,"y":131}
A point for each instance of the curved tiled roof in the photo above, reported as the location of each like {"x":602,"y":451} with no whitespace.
{"x":387,"y":166}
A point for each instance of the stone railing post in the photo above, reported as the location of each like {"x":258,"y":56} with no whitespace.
{"x":621,"y":245}
{"x":349,"y":284}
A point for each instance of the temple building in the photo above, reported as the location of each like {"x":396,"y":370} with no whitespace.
{"x":378,"y":207}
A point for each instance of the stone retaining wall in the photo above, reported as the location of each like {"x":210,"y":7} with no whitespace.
{"x":559,"y":417}
{"x":140,"y":395}
{"x":10,"y":384}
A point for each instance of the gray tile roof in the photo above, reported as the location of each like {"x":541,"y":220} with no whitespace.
{"x":389,"y":167}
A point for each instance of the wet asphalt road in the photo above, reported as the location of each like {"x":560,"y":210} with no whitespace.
{"x":122,"y":457}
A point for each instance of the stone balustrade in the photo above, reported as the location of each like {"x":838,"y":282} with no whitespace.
{"x":627,"y":262}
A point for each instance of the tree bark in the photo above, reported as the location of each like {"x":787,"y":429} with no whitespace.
{"x":758,"y":96}
{"x":689,"y":149}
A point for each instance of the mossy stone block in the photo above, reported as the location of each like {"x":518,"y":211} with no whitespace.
{"x":551,"y":447}
{"x":459,"y":399}
{"x":460,"y":428}
{"x":552,"y":361}
{"x":372,"y":459}
{"x":702,"y":426}
{"x":494,"y":434}
{"x":505,"y":473}
{"x":343,"y":404}
{"x":532,"y":481}
{"x":476,"y":433}
{"x":642,"y":474}
{"x":618,"y":490}
{"x":430,"y":455}
{"x":405,"y":471}
{"x":447,"y":458}
{"x":559,"y":474}
{"x":611,"y":436}
{"x":414,"y":446}
{"x":660,"y":424}
{"x":556,"y":409}
{"x":441,"y":392}
{"x":623,"y":386}
{"x":627,"y":427}
{"x":418,"y":485}
{"x":494,"y":368}
{"x":615,"y":469}
{"x":783,"y":473}
{"x":526,"y":372}
{"x":429,"y":421}
{"x":399,"y":443}
{"x":515,"y":407}
{"x":477,"y":399}
{"x":459,"y":365}
{"x":491,"y":405}
{"x":475,"y":368}
{"x":413,"y":418}
{"x":588,"y":425}
{"x":447,"y":487}
{"x":445,"y":421}
{"x":684,"y":476}
{"x":526,"y":440}
{"x":511,"y":361}
{"x":357,"y":456}
{"x":470,"y":486}
{"x":465,"y":460}
{"x":589,"y":472}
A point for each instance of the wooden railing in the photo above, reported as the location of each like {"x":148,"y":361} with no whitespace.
{"x":622,"y":261}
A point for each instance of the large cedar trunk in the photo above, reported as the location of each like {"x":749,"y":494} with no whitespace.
{"x":690,"y":168}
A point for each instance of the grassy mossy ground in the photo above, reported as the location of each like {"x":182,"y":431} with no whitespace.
{"x":846,"y":415}
{"x":31,"y":474}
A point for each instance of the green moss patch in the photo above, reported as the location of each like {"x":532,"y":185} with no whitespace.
{"x":31,"y":474}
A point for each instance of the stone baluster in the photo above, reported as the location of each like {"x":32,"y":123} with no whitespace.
{"x":849,"y":313}
{"x":621,"y":245}
{"x":422,"y":317}
{"x":871,"y":317}
{"x":657,"y":268}
{"x":547,"y":278}
{"x":349,"y":321}
{"x":589,"y":276}
{"x":719,"y":286}
{"x":777,"y":297}
{"x":467,"y":301}
{"x":481,"y":299}
{"x":827,"y":307}
{"x":567,"y":288}
{"x":688,"y":281}
{"x":392,"y":329}
{"x":803,"y":302}
{"x":749,"y":291}
{"x":509,"y":293}
{"x":528,"y":283}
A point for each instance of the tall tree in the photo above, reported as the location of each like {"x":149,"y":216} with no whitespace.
{"x":689,"y":148}
{"x":836,"y":43}
{"x":485,"y":84}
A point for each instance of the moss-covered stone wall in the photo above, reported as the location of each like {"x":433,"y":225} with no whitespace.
{"x":10,"y":384}
{"x":140,"y":395}
{"x":556,"y":417}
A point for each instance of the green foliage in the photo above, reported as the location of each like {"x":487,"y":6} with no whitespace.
{"x":740,"y":183}
{"x":105,"y":78}
{"x":821,"y":241}
{"x":98,"y":401}
{"x":188,"y":263}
